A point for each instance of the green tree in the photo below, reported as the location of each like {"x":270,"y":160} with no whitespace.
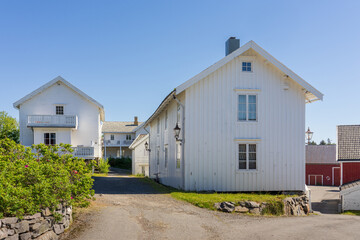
{"x":312,"y":143}
{"x":9,"y":127}
{"x":322,"y":142}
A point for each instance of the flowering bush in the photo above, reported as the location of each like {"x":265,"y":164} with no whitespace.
{"x":30,"y":181}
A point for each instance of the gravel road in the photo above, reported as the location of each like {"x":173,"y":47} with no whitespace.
{"x":127,"y":208}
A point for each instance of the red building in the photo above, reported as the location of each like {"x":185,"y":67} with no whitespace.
{"x":348,"y":152}
{"x":321,"y":165}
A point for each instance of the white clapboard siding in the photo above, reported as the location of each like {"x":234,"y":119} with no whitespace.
{"x":212,"y":127}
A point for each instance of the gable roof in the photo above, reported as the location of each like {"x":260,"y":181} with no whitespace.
{"x":348,"y":143}
{"x":66,"y":83}
{"x":138,"y":140}
{"x":119,"y":127}
{"x":312,"y":94}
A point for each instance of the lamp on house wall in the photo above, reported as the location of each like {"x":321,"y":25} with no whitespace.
{"x":177,"y":130}
{"x":147,"y":147}
{"x":309,"y":135}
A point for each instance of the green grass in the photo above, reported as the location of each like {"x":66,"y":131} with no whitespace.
{"x":352,"y":213}
{"x":99,"y":175}
{"x":207,"y":200}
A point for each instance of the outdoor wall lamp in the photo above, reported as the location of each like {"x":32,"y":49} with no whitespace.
{"x":147,"y":147}
{"x":309,"y":135}
{"x":177,"y":130}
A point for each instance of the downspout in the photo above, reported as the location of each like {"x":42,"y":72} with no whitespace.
{"x":183,"y":140}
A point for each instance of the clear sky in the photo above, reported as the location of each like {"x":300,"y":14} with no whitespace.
{"x":129,"y":55}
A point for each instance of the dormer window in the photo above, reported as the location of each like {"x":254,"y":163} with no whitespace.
{"x":59,"y":110}
{"x":246,"y":67}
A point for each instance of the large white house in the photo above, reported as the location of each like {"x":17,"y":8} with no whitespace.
{"x":58,"y":112}
{"x":240,"y":124}
{"x":118,"y":136}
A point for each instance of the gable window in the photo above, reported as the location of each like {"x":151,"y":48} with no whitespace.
{"x":128,"y":137}
{"x":112,"y":137}
{"x":178,"y":155}
{"x":49,"y":138}
{"x":246,"y":67}
{"x":59,"y":110}
{"x":166,"y":119}
{"x":247,"y":157}
{"x":158,"y":126}
{"x":166,"y":152}
{"x":247,"y":105}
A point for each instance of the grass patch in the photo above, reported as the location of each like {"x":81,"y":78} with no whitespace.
{"x":274,"y":202}
{"x":99,"y":175}
{"x":352,"y":213}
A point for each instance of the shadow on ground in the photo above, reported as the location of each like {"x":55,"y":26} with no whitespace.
{"x":120,"y":182}
{"x":325,"y":199}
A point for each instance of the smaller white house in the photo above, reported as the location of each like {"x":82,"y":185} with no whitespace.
{"x":140,"y":155}
{"x":58,"y":112}
{"x":350,"y":196}
{"x":118,"y":136}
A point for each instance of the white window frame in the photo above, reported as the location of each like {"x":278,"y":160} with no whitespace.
{"x":56,"y":109}
{"x":254,"y":141}
{"x":166,"y":155}
{"x":178,"y":155}
{"x":247,"y":94}
{"x":252,"y":66}
{"x":50,"y":138}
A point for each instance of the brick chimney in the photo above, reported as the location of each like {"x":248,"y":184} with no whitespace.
{"x":136,"y":121}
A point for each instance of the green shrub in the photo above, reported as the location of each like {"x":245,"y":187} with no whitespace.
{"x":274,"y":208}
{"x":103,"y":166}
{"x":123,"y":162}
{"x":30,"y":181}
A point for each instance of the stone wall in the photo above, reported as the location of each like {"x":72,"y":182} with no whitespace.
{"x":293,"y":206}
{"x":40,"y":226}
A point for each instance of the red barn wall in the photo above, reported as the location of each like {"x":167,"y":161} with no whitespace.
{"x":351,"y":171}
{"x":326,"y":170}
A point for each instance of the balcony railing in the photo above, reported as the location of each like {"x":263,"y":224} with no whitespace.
{"x":60,"y":121}
{"x":117,"y":143}
{"x":83,"y":152}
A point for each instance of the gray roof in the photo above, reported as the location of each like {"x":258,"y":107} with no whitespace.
{"x":350,"y":185}
{"x":119,"y":127}
{"x":321,"y":154}
{"x":348,"y":142}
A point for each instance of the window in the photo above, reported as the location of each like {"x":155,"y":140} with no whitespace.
{"x":166,"y":155}
{"x":49,"y":138}
{"x":112,"y":137}
{"x":247,"y":107}
{"x":158,"y":126}
{"x":178,"y":155}
{"x":59,"y":110}
{"x":158,"y":155}
{"x":246,"y":67}
{"x":166,"y":119}
{"x":128,"y":137}
{"x":247,"y":156}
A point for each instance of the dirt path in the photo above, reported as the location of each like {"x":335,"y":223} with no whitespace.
{"x":127,"y":208}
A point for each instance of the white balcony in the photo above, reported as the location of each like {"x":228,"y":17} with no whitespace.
{"x":117,"y":143}
{"x":57,"y":121}
{"x":83,"y":152}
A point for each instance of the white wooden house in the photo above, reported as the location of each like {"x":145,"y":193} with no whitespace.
{"x":58,"y":112}
{"x":242,"y":126}
{"x":118,"y":136}
{"x":140,"y":155}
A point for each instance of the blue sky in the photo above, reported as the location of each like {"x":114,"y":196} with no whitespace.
{"x":129,"y":55}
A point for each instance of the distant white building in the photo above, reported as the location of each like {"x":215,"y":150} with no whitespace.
{"x":140,"y":155}
{"x":58,"y":112}
{"x":240,"y":124}
{"x":118,"y":136}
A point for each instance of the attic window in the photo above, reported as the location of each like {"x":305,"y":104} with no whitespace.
{"x":246,"y":67}
{"x":59,"y":110}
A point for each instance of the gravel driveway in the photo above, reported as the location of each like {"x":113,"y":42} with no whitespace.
{"x":128,"y":208}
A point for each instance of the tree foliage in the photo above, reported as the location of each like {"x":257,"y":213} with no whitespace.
{"x":9,"y":127}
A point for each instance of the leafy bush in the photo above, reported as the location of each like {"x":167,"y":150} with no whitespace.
{"x":30,"y":181}
{"x":123,"y":162}
{"x":103,"y":166}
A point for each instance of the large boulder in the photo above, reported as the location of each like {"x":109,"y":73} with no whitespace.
{"x":225,"y":206}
